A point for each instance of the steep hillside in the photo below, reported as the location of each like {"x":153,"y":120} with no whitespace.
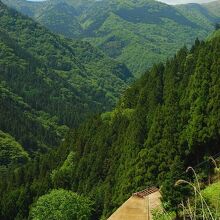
{"x":216,"y":34}
{"x":62,"y":18}
{"x":166,"y":121}
{"x":35,"y":131}
{"x":151,"y":30}
{"x":77,"y":77}
{"x":199,"y":14}
{"x":213,"y":7}
{"x":137,"y":33}
{"x":11,"y":152}
{"x":48,"y":83}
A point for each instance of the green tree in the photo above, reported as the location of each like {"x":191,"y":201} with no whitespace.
{"x":172,"y":193}
{"x":61,"y":204}
{"x":11,"y":152}
{"x":217,"y":26}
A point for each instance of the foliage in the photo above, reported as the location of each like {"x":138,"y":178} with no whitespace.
{"x":62,"y":177}
{"x":161,"y":215}
{"x":203,"y":204}
{"x":173,"y":196}
{"x":212,"y":195}
{"x":49,"y":83}
{"x":61,"y":204}
{"x":214,"y":35}
{"x":148,"y":26}
{"x":217,"y":26}
{"x":80,"y":79}
{"x":157,"y":141}
{"x":35,"y":131}
{"x":166,"y":121}
{"x":11,"y":152}
{"x":213,"y":7}
{"x":197,"y":207}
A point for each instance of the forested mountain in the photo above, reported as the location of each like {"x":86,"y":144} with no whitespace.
{"x":199,"y":14}
{"x":213,"y":7}
{"x":48,"y":83}
{"x":79,"y":72}
{"x":35,"y":130}
{"x":167,"y":120}
{"x":137,"y":33}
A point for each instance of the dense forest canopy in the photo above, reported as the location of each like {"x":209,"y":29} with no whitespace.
{"x":77,"y":135}
{"x":49,"y":83}
{"x":137,"y":33}
{"x":76,"y":65}
{"x":61,"y":204}
{"x":167,"y":120}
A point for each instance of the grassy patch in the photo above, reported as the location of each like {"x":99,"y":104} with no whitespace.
{"x":212,"y":195}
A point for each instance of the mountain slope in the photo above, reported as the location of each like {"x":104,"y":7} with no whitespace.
{"x":135,"y":33}
{"x":77,"y":76}
{"x":166,"y":121}
{"x":48,"y":84}
{"x":213,"y":7}
{"x":151,"y":31}
{"x":216,"y":34}
{"x":11,"y":152}
{"x":62,"y":18}
{"x":199,"y":14}
{"x":35,"y":131}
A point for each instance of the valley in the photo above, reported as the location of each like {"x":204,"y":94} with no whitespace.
{"x":138,"y":34}
{"x":101,"y":99}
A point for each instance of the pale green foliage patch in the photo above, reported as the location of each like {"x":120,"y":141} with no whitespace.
{"x":11,"y":152}
{"x":61,"y":204}
{"x":212,"y":195}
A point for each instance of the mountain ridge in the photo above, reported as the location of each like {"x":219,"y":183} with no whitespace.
{"x":166,"y":121}
{"x":151,"y":30}
{"x":49,"y":84}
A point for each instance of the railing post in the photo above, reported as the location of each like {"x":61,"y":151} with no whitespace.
{"x":148,"y":207}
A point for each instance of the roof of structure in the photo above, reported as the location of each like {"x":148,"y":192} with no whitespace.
{"x":146,"y":192}
{"x":139,"y":206}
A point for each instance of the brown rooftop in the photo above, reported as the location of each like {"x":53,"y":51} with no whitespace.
{"x":146,"y":192}
{"x":139,"y":206}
